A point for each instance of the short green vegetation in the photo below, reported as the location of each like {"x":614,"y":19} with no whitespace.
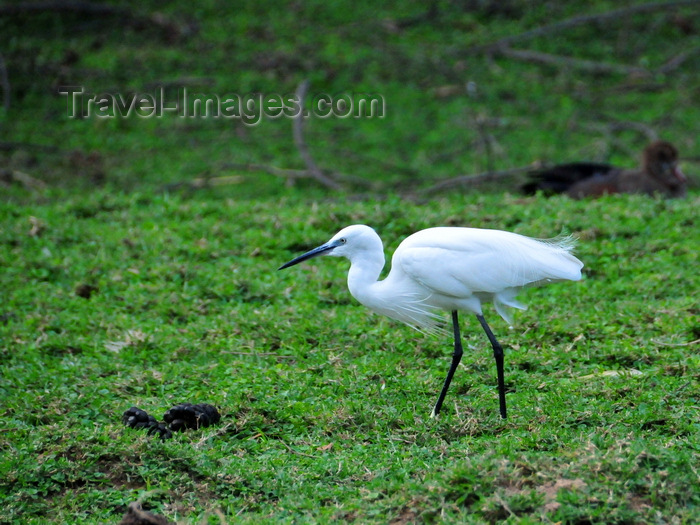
{"x":326,"y":405}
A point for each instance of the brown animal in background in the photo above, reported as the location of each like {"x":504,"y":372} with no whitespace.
{"x":659,"y":174}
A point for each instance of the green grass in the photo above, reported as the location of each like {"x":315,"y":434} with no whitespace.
{"x":325,"y":405}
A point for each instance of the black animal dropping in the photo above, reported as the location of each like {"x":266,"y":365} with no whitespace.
{"x":186,"y":415}
{"x":137,"y":418}
{"x":178,"y":419}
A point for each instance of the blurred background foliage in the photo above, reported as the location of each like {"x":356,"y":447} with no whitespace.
{"x":470,"y":87}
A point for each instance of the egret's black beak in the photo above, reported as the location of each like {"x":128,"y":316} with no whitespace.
{"x":321,"y":250}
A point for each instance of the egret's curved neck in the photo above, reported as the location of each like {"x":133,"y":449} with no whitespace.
{"x":364,"y":272}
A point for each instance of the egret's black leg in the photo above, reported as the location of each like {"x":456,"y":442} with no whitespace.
{"x":456,"y":358}
{"x":498,"y":355}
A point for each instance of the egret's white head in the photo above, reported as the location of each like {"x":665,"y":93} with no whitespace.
{"x":352,"y":242}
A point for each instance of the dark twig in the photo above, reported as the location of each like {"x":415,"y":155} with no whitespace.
{"x":96,"y":9}
{"x":272,"y":170}
{"x":481,"y":123}
{"x":92,"y":8}
{"x":431,"y":15}
{"x":26,"y":180}
{"x":675,"y":62}
{"x":475,"y":180}
{"x":379,"y":163}
{"x":611,"y":125}
{"x":298,"y":131}
{"x":11,"y":146}
{"x":4,"y":84}
{"x":293,"y":173}
{"x":591,"y":66}
{"x":352,"y":180}
{"x":616,"y":14}
{"x":649,"y":133}
{"x":182,"y":82}
{"x":205,"y":181}
{"x":290,"y":174}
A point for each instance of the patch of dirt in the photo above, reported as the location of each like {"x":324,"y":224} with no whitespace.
{"x":551,"y":490}
{"x":117,"y":470}
{"x":406,"y":515}
{"x":135,"y":515}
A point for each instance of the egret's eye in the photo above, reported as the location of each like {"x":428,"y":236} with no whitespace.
{"x":343,"y":241}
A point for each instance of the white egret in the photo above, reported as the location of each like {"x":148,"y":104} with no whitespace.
{"x":453,"y":269}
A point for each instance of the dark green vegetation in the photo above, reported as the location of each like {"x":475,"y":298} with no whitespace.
{"x":130,"y":294}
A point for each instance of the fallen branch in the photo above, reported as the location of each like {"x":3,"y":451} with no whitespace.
{"x":614,"y":15}
{"x":431,"y":15}
{"x":4,"y":84}
{"x":226,"y":180}
{"x":11,"y":146}
{"x":59,"y":6}
{"x":634,"y":85}
{"x":26,"y":180}
{"x":648,"y":132}
{"x":298,"y":131}
{"x":475,"y":180}
{"x":180,"y":83}
{"x":171,"y":29}
{"x":379,"y":163}
{"x":608,"y":127}
{"x":272,"y":170}
{"x":291,"y":174}
{"x":675,"y":62}
{"x":204,"y":182}
{"x":294,"y":173}
{"x":591,"y":66}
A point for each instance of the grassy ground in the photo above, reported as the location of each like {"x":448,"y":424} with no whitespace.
{"x":325,"y":405}
{"x":118,"y":290}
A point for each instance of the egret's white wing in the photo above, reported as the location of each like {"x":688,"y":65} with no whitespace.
{"x":461,"y":261}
